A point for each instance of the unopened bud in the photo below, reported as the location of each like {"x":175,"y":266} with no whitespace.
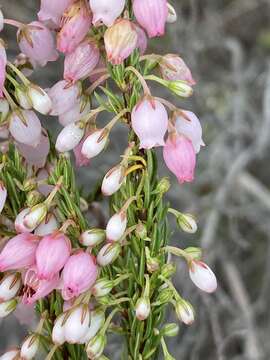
{"x":164,"y":297}
{"x":143,"y":308}
{"x":202,"y":276}
{"x":92,"y":237}
{"x":116,"y":226}
{"x":184,"y":311}
{"x":113,"y":180}
{"x":180,"y":88}
{"x":7,"y":307}
{"x":108,"y":254}
{"x":187,"y":223}
{"x":152,"y":263}
{"x":35,"y":216}
{"x":29,"y":347}
{"x":168,"y":270}
{"x":95,"y":347}
{"x":33,"y":198}
{"x":58,"y":333}
{"x":102,"y":287}
{"x":23,"y":98}
{"x":95,"y":143}
{"x":163,"y":186}
{"x":70,"y":136}
{"x":170,"y":330}
{"x":40,"y":100}
{"x":4,"y":110}
{"x":141,"y":231}
{"x":9,"y":287}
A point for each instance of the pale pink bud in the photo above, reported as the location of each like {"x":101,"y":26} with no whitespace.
{"x":185,"y":312}
{"x":142,"y":39}
{"x":150,"y":122}
{"x":92,"y":237}
{"x":77,"y":324}
{"x":79,"y":274}
{"x":64,"y":96}
{"x":189,"y":125}
{"x":35,"y":289}
{"x":80,"y":159}
{"x":25,"y":127}
{"x":106,"y":12}
{"x":102,"y":287}
{"x":10,"y":355}
{"x":108,"y":254}
{"x":19,"y":225}
{"x":96,"y":345}
{"x":202,"y":276}
{"x":151,"y":15}
{"x":3,"y":63}
{"x":70,"y":136}
{"x":97,"y":320}
{"x":19,"y":252}
{"x":1,"y":20}
{"x":9,"y":287}
{"x":116,"y":226}
{"x":82,"y":61}
{"x":35,"y":216}
{"x":30,"y":347}
{"x":52,"y":11}
{"x":179,"y":156}
{"x":142,"y":308}
{"x":174,"y":68}
{"x":37,"y":156}
{"x":40,"y":100}
{"x":58,"y":332}
{"x":94,"y":143}
{"x":113,"y":180}
{"x":4,"y":110}
{"x":120,"y":41}
{"x":52,"y":254}
{"x":48,"y":226}
{"x":7,"y":307}
{"x":77,"y":112}
{"x":37,"y":42}
{"x":3,"y":196}
{"x":77,"y":21}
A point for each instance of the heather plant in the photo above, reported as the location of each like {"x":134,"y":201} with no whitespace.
{"x":84,"y":282}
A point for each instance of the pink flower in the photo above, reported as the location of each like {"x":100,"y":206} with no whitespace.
{"x":3,"y":63}
{"x":174,"y":68}
{"x":202,"y":276}
{"x":37,"y":42}
{"x":142,"y":39}
{"x":150,"y":122}
{"x":25,"y":127}
{"x":52,"y":11}
{"x":106,"y":12}
{"x":76,"y":24}
{"x":3,"y":196}
{"x":80,"y":62}
{"x":179,"y":156}
{"x":64,"y":97}
{"x":19,"y":252}
{"x":52,"y":253}
{"x":79,"y":274}
{"x":189,"y":125}
{"x":151,"y":15}
{"x":35,"y":289}
{"x":120,"y":41}
{"x":80,"y":159}
{"x":77,"y":112}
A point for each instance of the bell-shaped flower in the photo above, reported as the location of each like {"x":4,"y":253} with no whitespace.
{"x":70,"y":136}
{"x":9,"y":286}
{"x":174,"y":68}
{"x":30,"y":347}
{"x":64,"y":97}
{"x":77,"y":324}
{"x":106,"y":12}
{"x":202,"y":276}
{"x":52,"y":11}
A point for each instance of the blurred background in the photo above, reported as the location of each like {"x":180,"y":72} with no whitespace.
{"x":226,"y":43}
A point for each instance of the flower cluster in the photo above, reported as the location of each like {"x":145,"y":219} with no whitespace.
{"x":79,"y":277}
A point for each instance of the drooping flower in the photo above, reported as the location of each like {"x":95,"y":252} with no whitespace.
{"x":9,"y":286}
{"x":106,"y":12}
{"x":70,"y":136}
{"x":36,"y":41}
{"x":64,"y":97}
{"x":113,"y":180}
{"x":174,"y":68}
{"x":76,"y":24}
{"x":142,"y":40}
{"x":77,"y":324}
{"x":187,"y":123}
{"x":3,"y":63}
{"x":94,"y":143}
{"x":19,"y":252}
{"x":30,"y":347}
{"x":151,"y":15}
{"x":79,"y":274}
{"x":150,"y":122}
{"x":202,"y":276}
{"x":52,"y":254}
{"x":179,"y":156}
{"x":120,"y":41}
{"x":40,"y":100}
{"x":52,"y":11}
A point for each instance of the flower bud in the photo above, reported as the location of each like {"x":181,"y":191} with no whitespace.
{"x":4,"y":110}
{"x":141,"y":231}
{"x":94,"y":143}
{"x":64,"y":97}
{"x":9,"y":287}
{"x":172,"y":15}
{"x":106,"y":12}
{"x":185,"y":312}
{"x":77,"y":324}
{"x":40,"y":100}
{"x":102,"y":287}
{"x":52,"y":11}
{"x":151,"y":15}
{"x":174,"y":68}
{"x":170,"y":330}
{"x":92,"y":237}
{"x":30,"y":347}
{"x":70,"y":136}
{"x":58,"y":332}
{"x":23,"y":98}
{"x":10,"y":355}
{"x":7,"y":307}
{"x":35,"y":216}
{"x":120,"y":41}
{"x":180,"y":88}
{"x":164,"y":296}
{"x":163,"y":186}
{"x":202,"y":276}
{"x":47,"y":226}
{"x":113,"y":180}
{"x":142,"y":308}
{"x":194,"y":253}
{"x":3,"y":196}
{"x":187,"y":223}
{"x":116,"y":226}
{"x":152,"y":263}
{"x":168,"y":270}
{"x":97,"y":321}
{"x":150,"y":122}
{"x":95,"y":347}
{"x":108,"y":254}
